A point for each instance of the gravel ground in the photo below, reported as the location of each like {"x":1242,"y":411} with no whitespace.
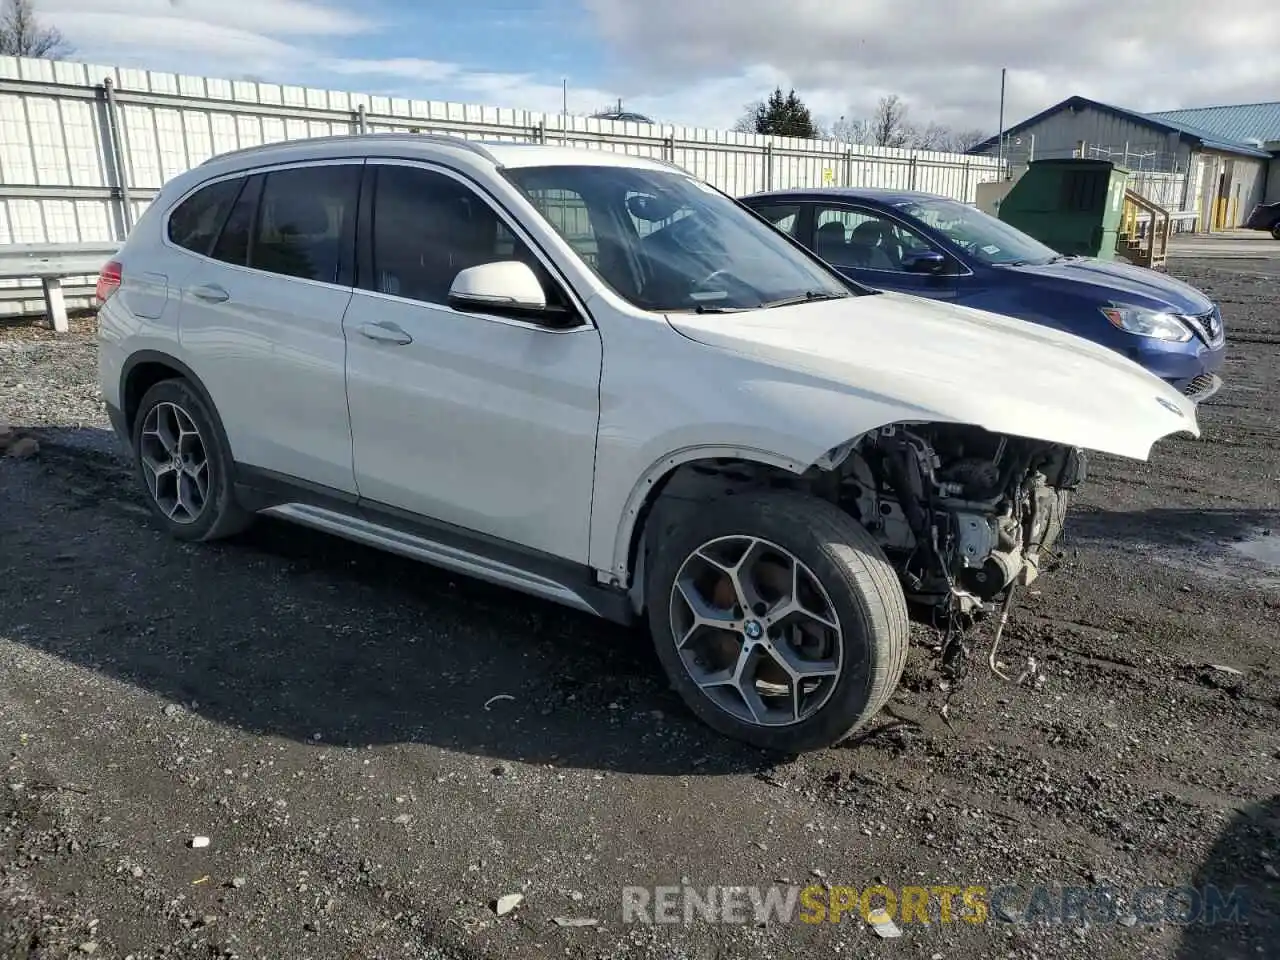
{"x":318,"y":712}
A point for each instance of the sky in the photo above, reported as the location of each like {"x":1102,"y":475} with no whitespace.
{"x":700,"y":62}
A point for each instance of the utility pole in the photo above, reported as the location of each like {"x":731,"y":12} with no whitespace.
{"x":564,"y":96}
{"x":1000,"y":137}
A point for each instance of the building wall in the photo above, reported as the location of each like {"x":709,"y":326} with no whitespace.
{"x":1061,"y":134}
{"x":1228,"y":187}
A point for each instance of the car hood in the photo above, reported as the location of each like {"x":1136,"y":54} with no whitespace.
{"x":922,"y":360}
{"x":1123,"y":283}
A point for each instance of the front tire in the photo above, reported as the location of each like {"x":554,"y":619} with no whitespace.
{"x":778,"y":620}
{"x":1275,"y":231}
{"x":184,"y":465}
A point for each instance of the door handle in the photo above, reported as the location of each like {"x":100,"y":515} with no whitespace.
{"x":385,"y":333}
{"x":210,"y":293}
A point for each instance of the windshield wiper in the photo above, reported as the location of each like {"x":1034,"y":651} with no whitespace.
{"x":809,"y":296}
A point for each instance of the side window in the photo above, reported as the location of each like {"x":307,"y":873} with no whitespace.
{"x":233,"y":242}
{"x":784,"y":216}
{"x":306,"y":222}
{"x":863,"y":238}
{"x":198,"y":218}
{"x":427,"y":227}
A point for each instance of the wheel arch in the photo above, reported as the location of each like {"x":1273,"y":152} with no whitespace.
{"x":628,"y":560}
{"x":143,"y":370}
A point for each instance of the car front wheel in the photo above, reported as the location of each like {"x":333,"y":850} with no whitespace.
{"x":778,"y":620}
{"x":184,"y":465}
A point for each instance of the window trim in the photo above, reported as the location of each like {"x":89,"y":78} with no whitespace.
{"x":854,"y":207}
{"x":364,"y":251}
{"x":262,"y":171}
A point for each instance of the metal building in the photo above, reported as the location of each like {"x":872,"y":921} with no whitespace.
{"x":1180,"y":166}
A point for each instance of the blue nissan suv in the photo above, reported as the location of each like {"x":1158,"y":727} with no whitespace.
{"x":934,"y":247}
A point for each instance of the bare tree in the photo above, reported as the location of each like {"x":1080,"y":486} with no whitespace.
{"x":889,"y":126}
{"x":962,"y":141}
{"x":21,"y":34}
{"x":851,"y":131}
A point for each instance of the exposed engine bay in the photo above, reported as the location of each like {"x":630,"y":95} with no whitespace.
{"x":962,"y":513}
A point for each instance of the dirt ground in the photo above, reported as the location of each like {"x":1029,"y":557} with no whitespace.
{"x":321,"y":713}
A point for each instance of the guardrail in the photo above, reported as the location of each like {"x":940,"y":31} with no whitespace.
{"x":51,"y":263}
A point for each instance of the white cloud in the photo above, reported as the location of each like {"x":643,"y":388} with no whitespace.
{"x":944,"y":57}
{"x":699,"y":62}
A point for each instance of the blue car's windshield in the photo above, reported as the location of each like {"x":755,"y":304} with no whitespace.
{"x":981,"y":236}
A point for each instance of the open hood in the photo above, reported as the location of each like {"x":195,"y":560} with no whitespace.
{"x":933,"y":361}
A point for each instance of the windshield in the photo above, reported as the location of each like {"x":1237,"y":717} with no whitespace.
{"x":666,"y":242}
{"x":978,"y":234}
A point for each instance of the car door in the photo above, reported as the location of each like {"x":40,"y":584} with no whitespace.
{"x":476,"y":420}
{"x":882,"y":251}
{"x":261,"y":322}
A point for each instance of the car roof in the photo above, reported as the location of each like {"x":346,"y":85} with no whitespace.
{"x":427,"y":147}
{"x":874,"y":194}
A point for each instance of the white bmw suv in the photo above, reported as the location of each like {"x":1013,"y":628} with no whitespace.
{"x":599,"y":380}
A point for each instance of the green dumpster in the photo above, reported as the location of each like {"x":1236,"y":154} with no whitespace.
{"x":1071,"y":205}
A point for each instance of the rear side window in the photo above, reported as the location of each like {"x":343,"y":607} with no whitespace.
{"x":233,"y":242}
{"x":197,"y":220}
{"x":306,"y":223}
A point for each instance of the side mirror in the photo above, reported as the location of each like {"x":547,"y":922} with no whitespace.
{"x":506,"y":288}
{"x":925,"y":261}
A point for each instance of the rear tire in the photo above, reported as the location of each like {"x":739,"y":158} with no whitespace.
{"x":1275,"y":231}
{"x":184,"y":464}
{"x":803,"y":633}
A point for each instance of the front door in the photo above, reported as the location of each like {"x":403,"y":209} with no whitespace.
{"x":881,"y":251}
{"x":478,"y":421}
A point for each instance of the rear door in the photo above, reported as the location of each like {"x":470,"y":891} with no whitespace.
{"x":880,"y":250}
{"x":261,"y":321}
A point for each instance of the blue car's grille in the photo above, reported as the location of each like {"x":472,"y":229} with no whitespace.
{"x":1207,"y":325}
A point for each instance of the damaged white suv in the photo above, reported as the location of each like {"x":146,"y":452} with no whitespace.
{"x":596,"y":379}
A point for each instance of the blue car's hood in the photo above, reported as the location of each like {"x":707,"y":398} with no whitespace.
{"x":1124,"y":283}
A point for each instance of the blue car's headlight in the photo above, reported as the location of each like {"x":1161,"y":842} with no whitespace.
{"x":1148,"y":323}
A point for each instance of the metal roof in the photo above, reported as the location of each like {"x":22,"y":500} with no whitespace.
{"x":1206,"y":138}
{"x":1240,"y":123}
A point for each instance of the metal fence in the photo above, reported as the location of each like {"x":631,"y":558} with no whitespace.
{"x":84,"y":148}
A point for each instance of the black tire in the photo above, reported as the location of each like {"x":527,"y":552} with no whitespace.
{"x":220,"y":515}
{"x":1275,"y":231}
{"x":863,"y":589}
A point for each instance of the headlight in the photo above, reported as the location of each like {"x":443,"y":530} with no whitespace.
{"x":1148,"y":323}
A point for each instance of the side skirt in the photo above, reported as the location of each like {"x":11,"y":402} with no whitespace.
{"x":438,"y":544}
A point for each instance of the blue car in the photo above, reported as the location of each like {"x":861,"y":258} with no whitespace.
{"x":934,"y":247}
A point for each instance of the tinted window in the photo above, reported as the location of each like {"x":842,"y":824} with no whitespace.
{"x":233,"y":242}
{"x":863,"y":238}
{"x":197,"y":219}
{"x":784,"y":216}
{"x":427,"y":227}
{"x":306,"y":222}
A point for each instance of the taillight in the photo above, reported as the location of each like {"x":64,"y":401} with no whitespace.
{"x":108,"y":281}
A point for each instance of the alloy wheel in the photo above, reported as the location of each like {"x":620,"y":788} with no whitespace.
{"x":174,"y":462}
{"x":756,"y":631}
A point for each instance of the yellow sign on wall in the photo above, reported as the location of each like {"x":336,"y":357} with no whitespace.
{"x":828,"y":175}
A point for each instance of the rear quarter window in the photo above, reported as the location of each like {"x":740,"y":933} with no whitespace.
{"x":196,"y":221}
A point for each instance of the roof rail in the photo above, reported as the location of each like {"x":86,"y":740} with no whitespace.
{"x":443,"y":140}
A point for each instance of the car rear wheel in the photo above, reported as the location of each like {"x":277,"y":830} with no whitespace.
{"x":778,"y":620}
{"x":184,"y":465}
{"x":1275,"y":231}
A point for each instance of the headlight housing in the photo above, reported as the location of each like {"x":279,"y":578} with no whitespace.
{"x":1142,"y":322}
